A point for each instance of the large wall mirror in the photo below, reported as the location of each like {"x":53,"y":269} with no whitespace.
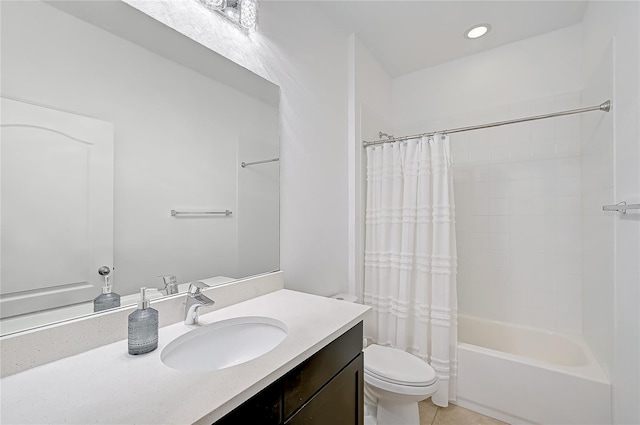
{"x":127,"y":145}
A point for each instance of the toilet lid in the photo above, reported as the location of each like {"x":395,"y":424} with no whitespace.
{"x":397,"y":366}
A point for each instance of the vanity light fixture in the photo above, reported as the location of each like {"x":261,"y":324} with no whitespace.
{"x":477,"y":31}
{"x":242,"y":12}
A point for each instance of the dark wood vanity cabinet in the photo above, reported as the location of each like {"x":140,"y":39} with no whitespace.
{"x":325,"y":389}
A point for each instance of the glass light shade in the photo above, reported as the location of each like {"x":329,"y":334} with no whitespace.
{"x":248,"y":13}
{"x":215,"y":4}
{"x":477,"y":31}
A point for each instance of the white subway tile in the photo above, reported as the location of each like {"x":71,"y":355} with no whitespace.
{"x":461,"y":157}
{"x":498,"y":224}
{"x":567,"y":205}
{"x":499,"y":259}
{"x":542,"y":131}
{"x":499,"y":241}
{"x":499,"y":189}
{"x":457,"y":146}
{"x":499,"y":153}
{"x":498,"y":136}
{"x":519,"y":206}
{"x":567,"y":101}
{"x":543,"y":148}
{"x":480,"y":173}
{"x":567,"y":127}
{"x":522,"y":316}
{"x":479,"y":154}
{"x":543,"y":187}
{"x":499,"y":206}
{"x":523,"y":170}
{"x":477,"y":241}
{"x":518,"y":192}
{"x":519,"y":152}
{"x":546,"y":319}
{"x":568,"y":147}
{"x":481,"y":189}
{"x":568,"y":186}
{"x":480,"y":206}
{"x":569,"y":302}
{"x":461,"y":174}
{"x":569,"y":322}
{"x":480,"y":223}
{"x":520,"y":188}
{"x":568,"y":167}
{"x":499,"y":172}
{"x":570,"y":264}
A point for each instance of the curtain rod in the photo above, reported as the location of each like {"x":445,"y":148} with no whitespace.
{"x":605,"y":107}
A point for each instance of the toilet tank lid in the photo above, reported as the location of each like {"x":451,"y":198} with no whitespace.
{"x":397,"y":366}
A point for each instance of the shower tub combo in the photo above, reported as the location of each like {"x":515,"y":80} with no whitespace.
{"x":524,"y":375}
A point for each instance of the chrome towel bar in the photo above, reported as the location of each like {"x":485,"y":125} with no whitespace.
{"x":245,"y":164}
{"x":621,"y":207}
{"x":175,"y":213}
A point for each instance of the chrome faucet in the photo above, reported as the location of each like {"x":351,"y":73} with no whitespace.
{"x":170,"y":285}
{"x":195,"y":300}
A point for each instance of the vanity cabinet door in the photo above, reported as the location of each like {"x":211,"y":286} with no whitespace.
{"x":325,"y":389}
{"x":265,"y":408}
{"x":340,"y":402}
{"x":309,"y":377}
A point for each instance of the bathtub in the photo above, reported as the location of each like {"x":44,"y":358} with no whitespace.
{"x":524,"y":375}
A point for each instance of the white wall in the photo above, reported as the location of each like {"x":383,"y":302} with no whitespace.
{"x":517,"y":187}
{"x":258,"y":206}
{"x":167,"y":153}
{"x":612,"y":34}
{"x":541,"y":66}
{"x":369,"y":113}
{"x":598,"y":228}
{"x":303,"y":52}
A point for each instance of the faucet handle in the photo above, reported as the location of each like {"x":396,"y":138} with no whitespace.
{"x":169,"y":279}
{"x":197,"y":287}
{"x":170,"y":284}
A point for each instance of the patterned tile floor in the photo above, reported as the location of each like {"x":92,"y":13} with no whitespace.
{"x":431,"y":414}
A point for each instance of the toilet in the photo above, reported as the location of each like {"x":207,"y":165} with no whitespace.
{"x":394,"y":382}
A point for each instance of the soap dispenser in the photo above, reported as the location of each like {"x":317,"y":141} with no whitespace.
{"x":107,"y":299}
{"x":143,"y":327}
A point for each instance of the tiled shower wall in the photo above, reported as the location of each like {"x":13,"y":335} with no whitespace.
{"x":518,"y":212}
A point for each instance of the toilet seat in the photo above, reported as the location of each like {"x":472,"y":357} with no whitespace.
{"x":396,"y":367}
{"x":400,"y":389}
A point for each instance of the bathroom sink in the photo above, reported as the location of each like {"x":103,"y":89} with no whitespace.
{"x":224,"y":344}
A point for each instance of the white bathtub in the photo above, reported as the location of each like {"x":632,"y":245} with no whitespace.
{"x":524,"y":375}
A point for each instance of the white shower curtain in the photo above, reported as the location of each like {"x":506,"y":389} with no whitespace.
{"x":410,"y":254}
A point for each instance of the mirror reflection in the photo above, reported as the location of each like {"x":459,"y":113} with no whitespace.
{"x":122,"y":148}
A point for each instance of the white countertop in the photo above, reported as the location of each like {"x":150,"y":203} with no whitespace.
{"x":106,"y":385}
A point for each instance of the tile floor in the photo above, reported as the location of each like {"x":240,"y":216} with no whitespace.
{"x":430,"y":414}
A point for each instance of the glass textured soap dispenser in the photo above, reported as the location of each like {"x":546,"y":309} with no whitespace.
{"x":143,"y":327}
{"x":107,"y":299}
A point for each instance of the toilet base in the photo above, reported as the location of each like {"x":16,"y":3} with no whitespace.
{"x":391,"y":409}
{"x":370,"y":420}
{"x":398,"y":413}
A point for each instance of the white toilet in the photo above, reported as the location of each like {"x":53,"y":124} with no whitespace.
{"x":394,"y":382}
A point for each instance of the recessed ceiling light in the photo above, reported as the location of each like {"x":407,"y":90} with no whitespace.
{"x":477,"y":31}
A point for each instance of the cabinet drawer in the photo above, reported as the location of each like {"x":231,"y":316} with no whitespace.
{"x":311,"y":375}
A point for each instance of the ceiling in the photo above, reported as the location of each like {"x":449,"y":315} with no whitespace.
{"x":406,"y":36}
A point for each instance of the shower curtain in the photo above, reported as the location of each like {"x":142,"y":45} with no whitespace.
{"x":410,"y":254}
